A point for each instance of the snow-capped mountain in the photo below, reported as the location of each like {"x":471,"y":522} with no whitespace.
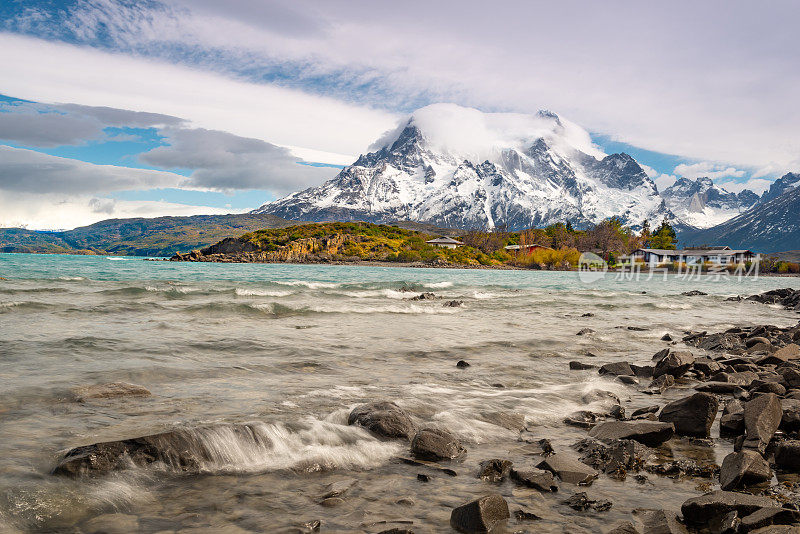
{"x":703,"y":204}
{"x":459,"y":167}
{"x":787,"y":182}
{"x":771,"y":226}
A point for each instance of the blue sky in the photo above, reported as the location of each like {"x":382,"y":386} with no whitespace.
{"x":176,"y":106}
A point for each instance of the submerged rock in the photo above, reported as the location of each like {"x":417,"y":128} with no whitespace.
{"x":578,"y":366}
{"x":580,"y":501}
{"x":584,"y":331}
{"x":618,"y":457}
{"x":648,"y":433}
{"x":494,"y":470}
{"x":692,"y":416}
{"x":534,"y":478}
{"x":742,"y":469}
{"x":384,"y":419}
{"x":481,"y":515}
{"x":569,"y":469}
{"x":112,"y":390}
{"x":436,"y":444}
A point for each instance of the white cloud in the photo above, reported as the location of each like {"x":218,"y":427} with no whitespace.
{"x":61,"y":212}
{"x":612,"y":71}
{"x":53,"y":72}
{"x":649,"y":171}
{"x":664,"y":181}
{"x":715,"y":171}
{"x":756,"y":185}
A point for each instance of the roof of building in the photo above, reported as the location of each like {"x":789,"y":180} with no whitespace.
{"x":444,"y":241}
{"x":517,"y":247}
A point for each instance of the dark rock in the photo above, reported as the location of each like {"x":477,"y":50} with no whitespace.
{"x":725,"y":524}
{"x":617,"y":457}
{"x":534,"y":478}
{"x":436,"y":444}
{"x":692,"y":416}
{"x":660,"y":384}
{"x":424,"y":296}
{"x":732,"y":421}
{"x":660,"y":522}
{"x":585,"y":331}
{"x":453,"y":304}
{"x":762,"y":417}
{"x":768,"y":516}
{"x":642,"y":371}
{"x":624,"y":528}
{"x":787,"y":456}
{"x":743,"y":468}
{"x":578,"y":366}
{"x":587,"y":314}
{"x":684,"y":468}
{"x":569,"y":469}
{"x":581,"y":419}
{"x":660,"y":355}
{"x":699,"y":511}
{"x":338,"y":488}
{"x":384,"y":419}
{"x":330,"y":502}
{"x":648,"y":433}
{"x":397,"y":530}
{"x":723,"y":388}
{"x":481,"y":515}
{"x":666,"y":337}
{"x":768,"y":387}
{"x":744,"y":378}
{"x":494,"y":470}
{"x":675,"y":364}
{"x":617,"y":412}
{"x":638,"y":329}
{"x":616,"y":368}
{"x":791,"y":414}
{"x":461,"y":364}
{"x":693,"y":293}
{"x":628,"y":380}
{"x":580,"y":501}
{"x":423,"y":478}
{"x":524,"y":515}
{"x":707,"y":366}
{"x":649,"y":409}
{"x":753,"y":341}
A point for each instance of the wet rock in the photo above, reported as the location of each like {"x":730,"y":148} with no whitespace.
{"x":580,"y":501}
{"x":725,"y":524}
{"x":762,"y":417}
{"x":312,"y":526}
{"x":768,"y":516}
{"x":436,"y":444}
{"x":721,"y":388}
{"x":509,"y":421}
{"x":596,"y":395}
{"x":768,"y":387}
{"x":666,"y":337}
{"x":628,"y":380}
{"x":707,"y":366}
{"x":693,"y":293}
{"x":638,"y":329}
{"x":753,"y":341}
{"x":617,"y":412}
{"x":534,"y":478}
{"x":494,"y":470}
{"x":579,"y":366}
{"x":480,"y":515}
{"x":423,"y":477}
{"x":338,"y":488}
{"x":384,"y":419}
{"x":524,"y":515}
{"x":461,"y":364}
{"x":646,"y":410}
{"x":692,"y":416}
{"x":791,"y":414}
{"x":616,"y":369}
{"x":587,"y":314}
{"x":424,"y":296}
{"x":648,"y":433}
{"x":744,"y":378}
{"x":624,"y":528}
{"x":617,"y":457}
{"x":732,"y":420}
{"x":584,"y":331}
{"x":642,"y":371}
{"x":397,"y":530}
{"x":743,"y":468}
{"x":453,"y":304}
{"x":112,"y":390}
{"x":405,"y":501}
{"x":568,"y":469}
{"x":660,"y":522}
{"x":787,"y":456}
{"x":660,"y":384}
{"x":675,"y":364}
{"x":330,"y":502}
{"x":660,"y":355}
{"x":701,"y":510}
{"x":581,"y":419}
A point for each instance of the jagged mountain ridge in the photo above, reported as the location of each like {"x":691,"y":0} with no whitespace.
{"x":703,"y":204}
{"x":785,"y":183}
{"x":458,"y":167}
{"x":769,"y":226}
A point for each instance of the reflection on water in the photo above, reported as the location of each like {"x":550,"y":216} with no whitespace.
{"x":289,"y":350}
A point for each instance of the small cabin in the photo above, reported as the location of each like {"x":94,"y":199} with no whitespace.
{"x":525,"y":249}
{"x":445,"y":242}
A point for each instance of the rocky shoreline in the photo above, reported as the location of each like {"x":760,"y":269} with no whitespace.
{"x":747,"y":378}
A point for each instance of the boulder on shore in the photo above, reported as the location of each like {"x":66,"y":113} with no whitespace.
{"x":436,"y":444}
{"x":385,"y":419}
{"x":569,"y":469}
{"x":692,"y":416}
{"x":534,"y":478}
{"x":701,"y":510}
{"x":742,"y":469}
{"x":616,"y":369}
{"x":481,"y":515}
{"x":647,"y":433}
{"x":675,"y":364}
{"x":762,"y":417}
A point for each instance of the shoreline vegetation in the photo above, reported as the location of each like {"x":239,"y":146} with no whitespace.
{"x":558,"y":247}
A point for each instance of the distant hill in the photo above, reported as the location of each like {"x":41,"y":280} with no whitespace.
{"x":161,"y":236}
{"x":768,"y":227}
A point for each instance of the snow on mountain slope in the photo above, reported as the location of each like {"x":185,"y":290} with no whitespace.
{"x":785,"y":183}
{"x":459,"y":167}
{"x":771,"y":226}
{"x":703,"y":204}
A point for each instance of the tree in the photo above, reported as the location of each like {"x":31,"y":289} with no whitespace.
{"x":664,"y":238}
{"x":569,"y":227}
{"x":645,"y":229}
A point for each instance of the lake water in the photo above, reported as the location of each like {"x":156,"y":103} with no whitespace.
{"x":293,"y":348}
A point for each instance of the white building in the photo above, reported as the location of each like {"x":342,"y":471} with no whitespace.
{"x":692,"y":256}
{"x":445,"y":242}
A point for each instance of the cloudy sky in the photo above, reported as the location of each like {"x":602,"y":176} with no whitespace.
{"x":112,"y":108}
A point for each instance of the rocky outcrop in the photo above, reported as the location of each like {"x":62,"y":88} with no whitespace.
{"x":692,"y":416}
{"x":241,"y":250}
{"x":481,"y":515}
{"x":384,"y":419}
